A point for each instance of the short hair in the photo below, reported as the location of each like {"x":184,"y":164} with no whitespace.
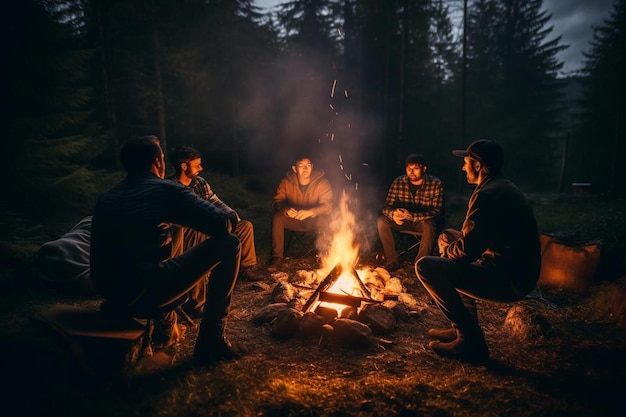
{"x":415,"y":158}
{"x":179,"y":154}
{"x":138,"y":154}
{"x":301,"y":157}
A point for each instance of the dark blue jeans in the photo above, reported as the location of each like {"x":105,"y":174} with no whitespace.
{"x":455,"y":286}
{"x":218,"y":257}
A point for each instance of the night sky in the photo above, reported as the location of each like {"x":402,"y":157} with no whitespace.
{"x":572,"y":19}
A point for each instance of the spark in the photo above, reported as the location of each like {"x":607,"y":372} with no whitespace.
{"x":349,"y":177}
{"x":341,"y":167}
{"x":340,"y":158}
{"x":332,"y":91}
{"x":345,"y":93}
{"x":332,"y":137}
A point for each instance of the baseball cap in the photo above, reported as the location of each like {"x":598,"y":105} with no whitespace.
{"x":489,"y":152}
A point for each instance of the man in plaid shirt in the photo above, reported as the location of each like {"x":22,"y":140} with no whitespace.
{"x":414,"y":203}
{"x":187,"y":162}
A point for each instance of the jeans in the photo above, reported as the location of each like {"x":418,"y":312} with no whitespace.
{"x":178,"y":275}
{"x":385,"y":233}
{"x":455,"y":286}
{"x":280,"y":222}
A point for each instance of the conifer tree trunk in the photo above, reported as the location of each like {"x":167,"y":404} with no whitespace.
{"x":109,"y":98}
{"x":157,"y":74}
{"x":401,"y":98}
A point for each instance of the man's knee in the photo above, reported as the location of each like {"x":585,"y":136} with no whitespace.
{"x":383,"y":222}
{"x":278,"y":220}
{"x":425,"y":266}
{"x":232,"y":243}
{"x":428,"y":228}
{"x":244,"y":228}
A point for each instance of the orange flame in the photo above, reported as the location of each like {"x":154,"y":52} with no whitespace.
{"x":343,"y":252}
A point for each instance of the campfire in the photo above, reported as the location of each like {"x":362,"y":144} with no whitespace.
{"x":338,"y":299}
{"x":342,"y":292}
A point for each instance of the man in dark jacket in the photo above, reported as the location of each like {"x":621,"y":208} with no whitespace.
{"x":131,"y":247}
{"x":495,"y":257}
{"x":302,"y":202}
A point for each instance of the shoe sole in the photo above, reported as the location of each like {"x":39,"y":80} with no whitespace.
{"x":472,"y":358}
{"x":441,"y":336}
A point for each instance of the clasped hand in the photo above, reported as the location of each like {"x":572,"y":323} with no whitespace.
{"x":399,"y":215}
{"x":298,"y":214}
{"x":443,"y":242}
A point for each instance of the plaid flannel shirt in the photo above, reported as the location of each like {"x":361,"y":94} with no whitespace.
{"x":201,"y":188}
{"x":426,"y":204}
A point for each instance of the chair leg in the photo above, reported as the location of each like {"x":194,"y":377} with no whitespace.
{"x":300,"y":239}
{"x":146,"y":348}
{"x":410,"y":248}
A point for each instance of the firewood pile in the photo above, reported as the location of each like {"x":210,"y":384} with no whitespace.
{"x":360,"y":322}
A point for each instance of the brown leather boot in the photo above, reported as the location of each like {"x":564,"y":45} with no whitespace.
{"x":468,"y":347}
{"x":443,"y":335}
{"x":219,"y":350}
{"x":211,"y":346}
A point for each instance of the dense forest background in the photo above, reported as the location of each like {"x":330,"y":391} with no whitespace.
{"x":357,"y":83}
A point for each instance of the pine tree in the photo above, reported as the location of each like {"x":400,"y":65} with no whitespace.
{"x":601,"y":143}
{"x":216,"y":58}
{"x":513,"y":93}
{"x":48,"y":138}
{"x":432,"y":115}
{"x":309,"y":67}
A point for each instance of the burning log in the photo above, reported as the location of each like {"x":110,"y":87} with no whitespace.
{"x":351,"y":300}
{"x":324,"y":285}
{"x":347,"y":300}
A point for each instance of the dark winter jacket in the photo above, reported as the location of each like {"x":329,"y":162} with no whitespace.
{"x":500,"y":231}
{"x":131,"y":231}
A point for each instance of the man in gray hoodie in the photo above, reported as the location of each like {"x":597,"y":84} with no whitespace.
{"x":302,"y":201}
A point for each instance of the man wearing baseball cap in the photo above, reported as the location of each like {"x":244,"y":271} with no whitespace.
{"x":494,"y":257}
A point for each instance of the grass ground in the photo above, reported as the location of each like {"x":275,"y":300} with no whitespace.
{"x":576,"y":366}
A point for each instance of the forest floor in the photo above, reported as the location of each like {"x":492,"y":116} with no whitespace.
{"x":575,"y":365}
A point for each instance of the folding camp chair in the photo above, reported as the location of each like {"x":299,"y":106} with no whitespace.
{"x":301,"y":242}
{"x":410,"y":240}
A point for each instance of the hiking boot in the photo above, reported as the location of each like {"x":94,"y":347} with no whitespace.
{"x":219,"y":350}
{"x":443,"y":335}
{"x":166,"y":330}
{"x":274,"y":264}
{"x":472,"y":350}
{"x":249,"y":274}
